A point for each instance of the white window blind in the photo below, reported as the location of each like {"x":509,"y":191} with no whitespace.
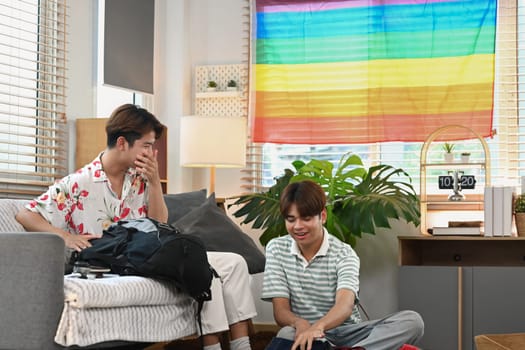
{"x":33,"y":133}
{"x":507,"y":147}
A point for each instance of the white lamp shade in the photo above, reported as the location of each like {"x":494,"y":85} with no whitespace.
{"x":213,"y":141}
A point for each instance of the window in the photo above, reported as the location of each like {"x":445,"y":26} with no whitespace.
{"x":269,"y":160}
{"x":33,"y":134}
{"x":110,"y":97}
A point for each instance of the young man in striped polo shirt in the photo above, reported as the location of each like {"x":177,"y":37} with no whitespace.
{"x":312,"y":279}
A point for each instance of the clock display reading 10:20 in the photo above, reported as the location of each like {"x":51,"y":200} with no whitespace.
{"x":466,"y":182}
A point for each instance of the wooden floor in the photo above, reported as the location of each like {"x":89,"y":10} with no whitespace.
{"x":261,"y":336}
{"x":258,"y":341}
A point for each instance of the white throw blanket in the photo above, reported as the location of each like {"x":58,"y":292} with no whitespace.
{"x":127,"y":308}
{"x":118,"y":291}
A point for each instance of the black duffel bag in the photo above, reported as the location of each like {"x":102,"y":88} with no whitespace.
{"x":145,"y":247}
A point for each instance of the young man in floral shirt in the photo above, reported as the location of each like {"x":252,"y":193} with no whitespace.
{"x":123,"y":182}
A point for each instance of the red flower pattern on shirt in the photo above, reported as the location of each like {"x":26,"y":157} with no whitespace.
{"x":83,"y":202}
{"x":125,"y":213}
{"x":142,"y":187}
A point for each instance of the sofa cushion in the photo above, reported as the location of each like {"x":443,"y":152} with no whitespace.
{"x":180,"y":204}
{"x":221,"y":234}
{"x":8,"y":209}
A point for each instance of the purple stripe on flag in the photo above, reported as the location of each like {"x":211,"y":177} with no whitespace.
{"x":305,"y":6}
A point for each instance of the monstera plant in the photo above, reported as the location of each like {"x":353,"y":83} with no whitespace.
{"x":359,"y":200}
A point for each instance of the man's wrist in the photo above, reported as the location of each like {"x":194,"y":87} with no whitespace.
{"x":60,"y":232}
{"x":296,"y":322}
{"x":319,"y":327}
{"x":155,"y":185}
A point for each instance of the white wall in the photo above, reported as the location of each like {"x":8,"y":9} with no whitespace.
{"x":197,"y":32}
{"x":379,"y":268}
{"x":191,"y":33}
{"x":81,"y":59}
{"x":172,"y":82}
{"x":80,"y":65}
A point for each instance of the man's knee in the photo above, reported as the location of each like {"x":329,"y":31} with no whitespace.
{"x":414,"y":322}
{"x":238,"y":261}
{"x":227,"y":263}
{"x":286,"y":332}
{"x":236,"y":266}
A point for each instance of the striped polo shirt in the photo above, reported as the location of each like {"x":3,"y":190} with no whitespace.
{"x":311,"y":286}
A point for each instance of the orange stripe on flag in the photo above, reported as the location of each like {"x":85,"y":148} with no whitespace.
{"x":366,"y":129}
{"x":354,"y":103}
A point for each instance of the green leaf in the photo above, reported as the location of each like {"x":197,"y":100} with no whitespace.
{"x":358,"y":200}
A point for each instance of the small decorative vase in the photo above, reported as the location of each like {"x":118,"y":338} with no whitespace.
{"x":520,"y":224}
{"x":449,"y":157}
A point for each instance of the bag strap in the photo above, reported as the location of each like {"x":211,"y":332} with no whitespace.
{"x":200,"y":304}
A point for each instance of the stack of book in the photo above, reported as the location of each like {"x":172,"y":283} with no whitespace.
{"x":498,"y":210}
{"x":457,"y":228}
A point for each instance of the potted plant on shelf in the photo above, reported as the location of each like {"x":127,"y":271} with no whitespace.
{"x":232,"y":85}
{"x":465,"y":157}
{"x":448,"y":148}
{"x":212,"y":86}
{"x":359,"y":200}
{"x":519,"y":214}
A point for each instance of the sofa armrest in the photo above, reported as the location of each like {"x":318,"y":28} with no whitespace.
{"x":32,"y":293}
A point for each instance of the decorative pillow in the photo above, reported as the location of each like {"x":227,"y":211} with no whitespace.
{"x":221,"y":234}
{"x":180,"y":204}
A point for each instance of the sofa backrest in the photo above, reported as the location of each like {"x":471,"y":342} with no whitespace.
{"x":8,"y":209}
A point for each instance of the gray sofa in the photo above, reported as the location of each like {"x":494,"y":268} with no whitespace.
{"x":32,"y":267}
{"x":31,"y":280}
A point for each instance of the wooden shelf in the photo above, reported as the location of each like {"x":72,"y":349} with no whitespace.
{"x":218,"y":94}
{"x":426,"y":201}
{"x":456,"y":203}
{"x":426,"y":250}
{"x":454,"y":165}
{"x":90,"y":139}
{"x":221,"y":102}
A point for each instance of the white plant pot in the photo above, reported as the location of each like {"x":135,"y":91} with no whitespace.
{"x":231,"y":88}
{"x":465,"y":158}
{"x":449,"y":157}
{"x":211,"y":89}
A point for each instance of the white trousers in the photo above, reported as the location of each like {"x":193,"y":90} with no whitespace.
{"x":232,"y":299}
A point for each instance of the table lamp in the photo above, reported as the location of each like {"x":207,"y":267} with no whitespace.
{"x":213,"y":142}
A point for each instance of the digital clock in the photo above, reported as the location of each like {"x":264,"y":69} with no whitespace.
{"x":466,"y":182}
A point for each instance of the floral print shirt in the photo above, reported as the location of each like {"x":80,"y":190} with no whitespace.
{"x":84,"y":203}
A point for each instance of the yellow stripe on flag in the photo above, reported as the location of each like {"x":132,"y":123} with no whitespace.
{"x":467,"y":70}
{"x":396,"y":101}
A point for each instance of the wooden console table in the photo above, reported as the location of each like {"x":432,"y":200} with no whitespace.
{"x":463,"y":286}
{"x":461,"y":251}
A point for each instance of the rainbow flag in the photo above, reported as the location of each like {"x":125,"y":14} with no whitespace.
{"x":363,"y":71}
